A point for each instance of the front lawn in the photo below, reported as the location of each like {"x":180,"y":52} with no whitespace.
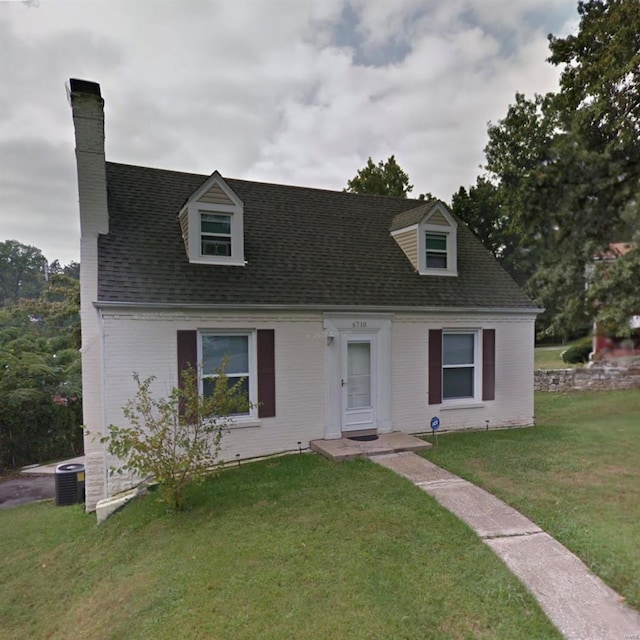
{"x":549,"y":358}
{"x":576,"y":474}
{"x":293,"y":547}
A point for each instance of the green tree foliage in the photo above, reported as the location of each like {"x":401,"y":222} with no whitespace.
{"x":613,"y":292}
{"x":176,"y":439}
{"x":22,"y":271}
{"x":40,"y":376}
{"x":383,"y":179}
{"x":568,"y":164}
{"x":482,"y":209}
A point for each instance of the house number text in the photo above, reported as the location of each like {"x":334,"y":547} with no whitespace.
{"x":359,"y":324}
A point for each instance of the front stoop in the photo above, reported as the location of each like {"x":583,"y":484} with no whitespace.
{"x":345,"y":449}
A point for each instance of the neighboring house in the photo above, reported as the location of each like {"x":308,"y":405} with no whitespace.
{"x":609,"y":346}
{"x":344,"y":313}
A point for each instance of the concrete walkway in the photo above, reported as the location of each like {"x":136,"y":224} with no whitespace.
{"x":578,"y":603}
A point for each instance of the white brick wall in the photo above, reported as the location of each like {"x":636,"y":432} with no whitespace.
{"x":146,"y":343}
{"x":88,"y":119}
{"x":513,"y":404}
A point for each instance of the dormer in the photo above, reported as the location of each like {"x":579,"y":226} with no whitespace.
{"x":212,"y":224}
{"x":428,"y":237}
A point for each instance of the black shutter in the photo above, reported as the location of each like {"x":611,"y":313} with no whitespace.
{"x":435,"y":366}
{"x":489,"y":364}
{"x":266,"y":373}
{"x":187,"y":356}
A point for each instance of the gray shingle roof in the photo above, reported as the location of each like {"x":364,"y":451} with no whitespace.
{"x":411,"y":217}
{"x":303,"y":247}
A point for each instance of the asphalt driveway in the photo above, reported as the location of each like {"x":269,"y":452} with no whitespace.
{"x":26,"y":488}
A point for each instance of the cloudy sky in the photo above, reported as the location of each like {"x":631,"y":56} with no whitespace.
{"x":291,"y":91}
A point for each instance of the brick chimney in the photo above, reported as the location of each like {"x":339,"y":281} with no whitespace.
{"x":87,"y":109}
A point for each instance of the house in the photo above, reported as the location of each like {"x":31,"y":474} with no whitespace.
{"x":604,"y":345}
{"x":344,"y":313}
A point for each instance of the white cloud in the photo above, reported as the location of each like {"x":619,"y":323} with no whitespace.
{"x":289,"y":91}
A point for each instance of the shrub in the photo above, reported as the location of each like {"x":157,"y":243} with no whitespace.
{"x":176,"y":439}
{"x":578,"y":353}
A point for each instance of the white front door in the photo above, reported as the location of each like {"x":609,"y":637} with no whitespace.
{"x":358,"y":382}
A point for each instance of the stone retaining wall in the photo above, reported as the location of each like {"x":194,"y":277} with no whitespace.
{"x":587,"y":378}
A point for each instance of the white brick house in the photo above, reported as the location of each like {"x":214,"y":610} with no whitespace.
{"x":341,"y":312}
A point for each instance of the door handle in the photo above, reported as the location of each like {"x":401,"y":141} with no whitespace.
{"x":342,"y":383}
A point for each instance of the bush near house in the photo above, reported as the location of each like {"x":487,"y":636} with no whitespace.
{"x":579,"y":352}
{"x":177,"y":439}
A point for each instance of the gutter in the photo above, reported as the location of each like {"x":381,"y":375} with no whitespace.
{"x":327,"y":308}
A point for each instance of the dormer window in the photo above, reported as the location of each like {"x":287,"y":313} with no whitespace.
{"x":212,"y":222}
{"x":428,"y":237}
{"x":436,"y":248}
{"x":215,"y":234}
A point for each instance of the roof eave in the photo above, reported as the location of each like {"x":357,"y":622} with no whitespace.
{"x":110,"y":304}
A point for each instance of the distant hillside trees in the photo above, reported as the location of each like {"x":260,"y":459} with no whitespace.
{"x":40,"y":374}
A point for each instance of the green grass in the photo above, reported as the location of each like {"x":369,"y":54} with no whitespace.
{"x":293,"y":547}
{"x":549,"y":358}
{"x":576,"y":474}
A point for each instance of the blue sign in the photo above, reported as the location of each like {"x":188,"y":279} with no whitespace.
{"x":435,"y":423}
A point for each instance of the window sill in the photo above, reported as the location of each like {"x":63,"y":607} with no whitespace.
{"x":438,"y":272}
{"x":243,"y":423}
{"x":461,"y":404}
{"x":235,"y":262}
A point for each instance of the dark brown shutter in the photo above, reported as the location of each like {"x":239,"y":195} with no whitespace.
{"x":489,"y":364}
{"x":187,"y":356}
{"x":435,"y":366}
{"x":266,"y":373}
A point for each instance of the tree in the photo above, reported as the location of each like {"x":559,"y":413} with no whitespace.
{"x":482,"y":210}
{"x":383,"y":179}
{"x":568,"y":164}
{"x":176,"y":439}
{"x":40,"y":376}
{"x":613,"y":292}
{"x":22,"y":272}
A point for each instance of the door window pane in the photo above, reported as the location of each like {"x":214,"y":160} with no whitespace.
{"x":358,"y":375}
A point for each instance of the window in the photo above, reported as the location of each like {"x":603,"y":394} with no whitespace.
{"x":257,"y":347}
{"x":438,"y":243}
{"x":436,"y":250}
{"x":215,"y":234}
{"x":212,"y":224}
{"x":237,"y":348}
{"x":458,"y":365}
{"x":462,"y":365}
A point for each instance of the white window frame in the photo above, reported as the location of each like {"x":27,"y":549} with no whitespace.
{"x":208,"y":234}
{"x":235,"y":210}
{"x":253,"y":367}
{"x":436,"y":251}
{"x":451,"y":234}
{"x":477,"y":366}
